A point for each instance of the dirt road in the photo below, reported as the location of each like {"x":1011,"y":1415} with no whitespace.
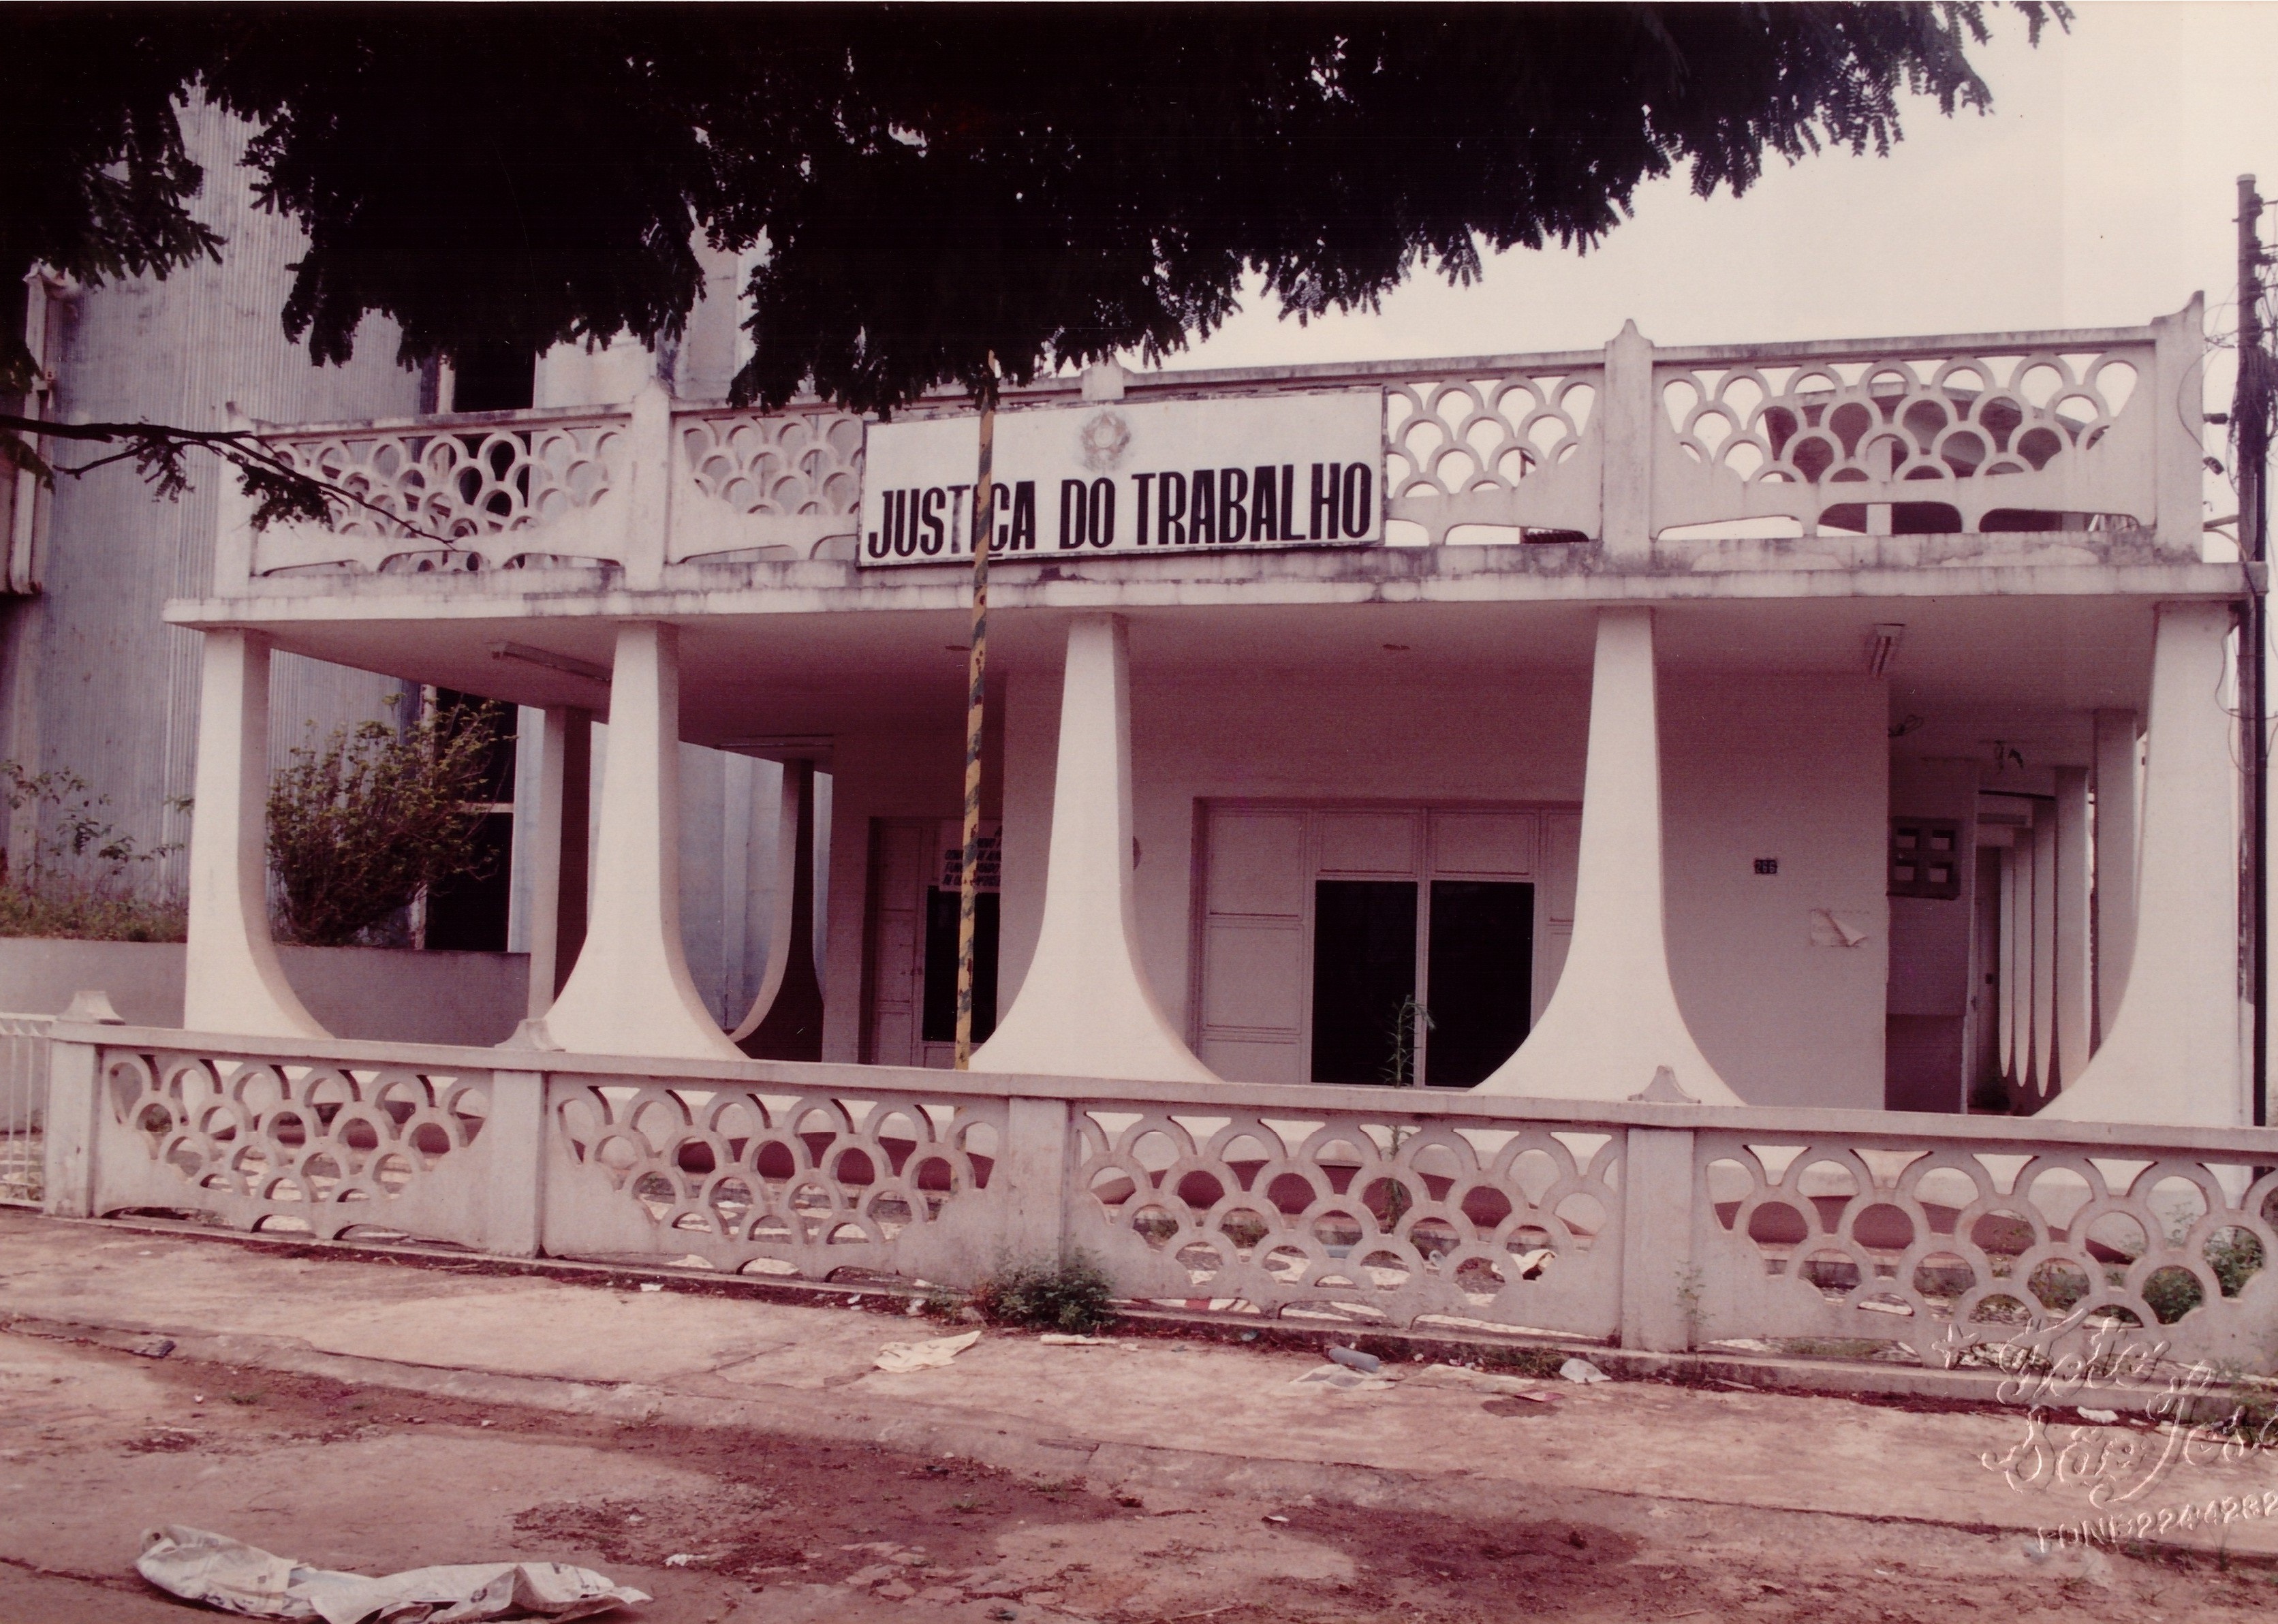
{"x":96,"y":1444}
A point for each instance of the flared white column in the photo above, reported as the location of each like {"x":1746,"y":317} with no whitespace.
{"x":785,"y":1020}
{"x":2171,"y":1055}
{"x":630,"y":993}
{"x":2042,"y":986}
{"x":1085,"y":1007}
{"x":1614,"y":1022}
{"x":2076,"y":992}
{"x":233,"y":982}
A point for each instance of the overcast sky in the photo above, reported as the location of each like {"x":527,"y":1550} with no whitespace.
{"x":2098,"y":190}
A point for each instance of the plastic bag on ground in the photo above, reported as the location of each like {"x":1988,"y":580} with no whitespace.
{"x":1337,"y":1378}
{"x":900,"y":1358}
{"x":1481,"y":1381}
{"x":226,"y":1574}
{"x":1581,"y":1370}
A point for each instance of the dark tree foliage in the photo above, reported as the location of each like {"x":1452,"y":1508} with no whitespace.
{"x":938,"y":186}
{"x":94,"y":182}
{"x":934,"y":186}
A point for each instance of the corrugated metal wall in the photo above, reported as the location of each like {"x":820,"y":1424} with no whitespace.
{"x":117,"y":691}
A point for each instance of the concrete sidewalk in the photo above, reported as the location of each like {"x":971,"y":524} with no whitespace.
{"x":1155,"y":1413}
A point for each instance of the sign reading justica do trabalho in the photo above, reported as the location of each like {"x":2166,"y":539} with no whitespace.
{"x":1171,"y":475}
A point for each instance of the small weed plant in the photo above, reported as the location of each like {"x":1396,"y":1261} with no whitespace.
{"x":84,"y":878}
{"x":1070,"y":1294}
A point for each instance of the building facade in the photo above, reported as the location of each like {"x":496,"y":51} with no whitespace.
{"x":1839,"y":724}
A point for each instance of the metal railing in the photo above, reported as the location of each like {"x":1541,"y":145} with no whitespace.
{"x":23,"y":1106}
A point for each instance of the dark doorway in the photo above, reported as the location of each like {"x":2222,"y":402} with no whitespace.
{"x":1482,"y":967}
{"x":939,"y":1022}
{"x":1364,"y":975}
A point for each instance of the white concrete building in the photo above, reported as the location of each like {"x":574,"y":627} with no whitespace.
{"x":1842,"y":725}
{"x":1543,"y":843}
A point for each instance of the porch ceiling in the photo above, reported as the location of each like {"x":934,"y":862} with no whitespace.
{"x":2027,"y":670}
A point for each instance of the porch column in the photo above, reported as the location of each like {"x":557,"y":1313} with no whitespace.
{"x":1614,"y":1022}
{"x":1085,"y":1009}
{"x":558,"y":851}
{"x":2044,"y":988}
{"x":786,"y":1021}
{"x":2076,"y":994}
{"x":2171,"y":1055}
{"x":2014,"y":955}
{"x":233,"y":982}
{"x":2116,"y":860}
{"x":630,"y":993}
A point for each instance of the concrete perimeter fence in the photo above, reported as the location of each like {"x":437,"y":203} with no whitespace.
{"x":1916,"y":1238}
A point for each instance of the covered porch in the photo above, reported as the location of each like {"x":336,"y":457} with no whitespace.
{"x":1775,"y":841}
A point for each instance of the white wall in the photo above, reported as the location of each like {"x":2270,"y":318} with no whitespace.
{"x":112,"y":693}
{"x":1794,"y":767}
{"x":379,"y":993}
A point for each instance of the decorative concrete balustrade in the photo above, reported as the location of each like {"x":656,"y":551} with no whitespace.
{"x":1657,"y":1225}
{"x":1850,"y":453}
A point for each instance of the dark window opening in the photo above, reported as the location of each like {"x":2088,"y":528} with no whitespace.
{"x":493,"y":378}
{"x":1482,"y":967}
{"x":1925,"y":858}
{"x":939,"y":1022}
{"x":468,"y":915}
{"x":458,"y":710}
{"x":1364,"y":980}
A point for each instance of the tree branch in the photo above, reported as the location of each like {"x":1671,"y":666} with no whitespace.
{"x":280,"y":491}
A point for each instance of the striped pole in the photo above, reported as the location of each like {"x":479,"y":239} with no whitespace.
{"x":984,"y":532}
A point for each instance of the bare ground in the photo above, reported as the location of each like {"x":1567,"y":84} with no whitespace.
{"x":96,"y":1444}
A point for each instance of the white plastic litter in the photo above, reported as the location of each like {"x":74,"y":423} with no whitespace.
{"x":899,"y":1358}
{"x":1063,"y":1340}
{"x":652,"y":1286}
{"x":1581,"y":1370}
{"x":1528,"y":1264}
{"x":1353,"y":1359}
{"x":2101,"y":1417}
{"x":1338,"y":1379}
{"x":234,"y":1577}
{"x":1480,"y":1381}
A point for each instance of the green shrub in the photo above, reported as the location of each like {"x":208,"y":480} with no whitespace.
{"x":361,"y":825}
{"x":92,"y":912}
{"x":1072,"y":1294}
{"x":2171,"y":1293}
{"x":2235,"y":1255}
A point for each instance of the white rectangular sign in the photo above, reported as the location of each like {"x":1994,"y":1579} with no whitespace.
{"x":1108,"y":477}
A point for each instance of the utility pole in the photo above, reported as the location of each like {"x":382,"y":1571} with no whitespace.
{"x":2251,"y":422}
{"x":976,"y":710}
